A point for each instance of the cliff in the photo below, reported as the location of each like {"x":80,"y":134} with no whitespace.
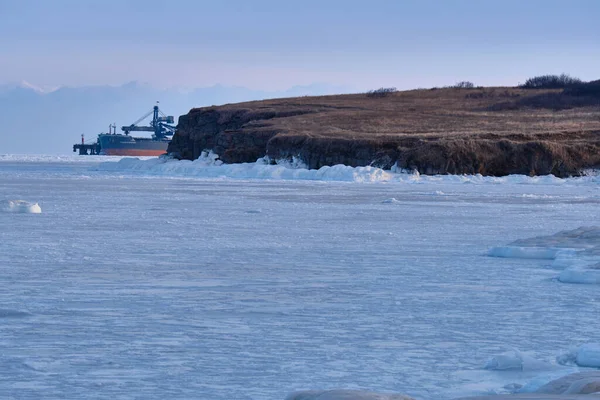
{"x":492,"y":131}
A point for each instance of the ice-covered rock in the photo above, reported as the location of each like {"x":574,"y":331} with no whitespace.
{"x":577,"y":383}
{"x":540,"y":253}
{"x":392,"y":200}
{"x":343,"y":394}
{"x":584,"y":386}
{"x":22,"y":206}
{"x":8,"y":313}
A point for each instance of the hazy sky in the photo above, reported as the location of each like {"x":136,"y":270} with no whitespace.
{"x":275,"y":44}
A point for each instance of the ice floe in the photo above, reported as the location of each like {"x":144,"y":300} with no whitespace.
{"x":585,"y":275}
{"x":22,"y":206}
{"x":577,"y":251}
{"x":343,"y":394}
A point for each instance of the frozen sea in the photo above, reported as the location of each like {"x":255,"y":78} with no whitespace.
{"x":199,"y":282}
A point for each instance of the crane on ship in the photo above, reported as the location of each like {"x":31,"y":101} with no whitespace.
{"x":159,"y":124}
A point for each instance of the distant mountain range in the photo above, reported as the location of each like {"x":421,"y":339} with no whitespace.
{"x":50,"y":120}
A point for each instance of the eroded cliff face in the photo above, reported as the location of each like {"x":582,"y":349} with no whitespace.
{"x":415,"y":132}
{"x":238,"y":135}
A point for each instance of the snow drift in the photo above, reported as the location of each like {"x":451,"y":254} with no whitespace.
{"x":577,"y":251}
{"x":22,"y":206}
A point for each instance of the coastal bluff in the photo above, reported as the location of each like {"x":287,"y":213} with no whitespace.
{"x":493,"y":131}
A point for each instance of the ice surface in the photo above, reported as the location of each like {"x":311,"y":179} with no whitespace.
{"x":577,"y":250}
{"x":586,"y":355}
{"x":141,"y":285}
{"x":340,"y":394}
{"x":22,"y":206}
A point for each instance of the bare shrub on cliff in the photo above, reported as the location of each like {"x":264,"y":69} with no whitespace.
{"x":551,"y":82}
{"x":381,"y":92}
{"x":463,"y":85}
{"x":584,"y":89}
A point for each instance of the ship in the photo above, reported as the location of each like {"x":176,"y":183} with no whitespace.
{"x":123,"y":144}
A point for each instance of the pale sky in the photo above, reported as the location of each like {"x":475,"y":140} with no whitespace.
{"x":275,"y":44}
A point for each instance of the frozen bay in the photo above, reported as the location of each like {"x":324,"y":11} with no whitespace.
{"x":136,"y":284}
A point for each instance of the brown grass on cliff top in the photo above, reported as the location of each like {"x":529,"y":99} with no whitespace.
{"x":493,"y":131}
{"x":517,"y":114}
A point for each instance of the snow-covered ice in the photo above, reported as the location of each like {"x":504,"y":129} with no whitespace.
{"x":151,"y":279}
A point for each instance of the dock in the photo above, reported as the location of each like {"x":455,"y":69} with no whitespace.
{"x":87,"y":149}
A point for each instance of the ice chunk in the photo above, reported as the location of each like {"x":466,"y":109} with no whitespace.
{"x":393,"y":200}
{"x":577,"y":250}
{"x":505,"y":361}
{"x":568,"y":358}
{"x":588,"y":355}
{"x":515,"y":360}
{"x":590,"y":275}
{"x":540,"y":253}
{"x":22,"y":206}
{"x":208,"y":165}
{"x":343,"y":394}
